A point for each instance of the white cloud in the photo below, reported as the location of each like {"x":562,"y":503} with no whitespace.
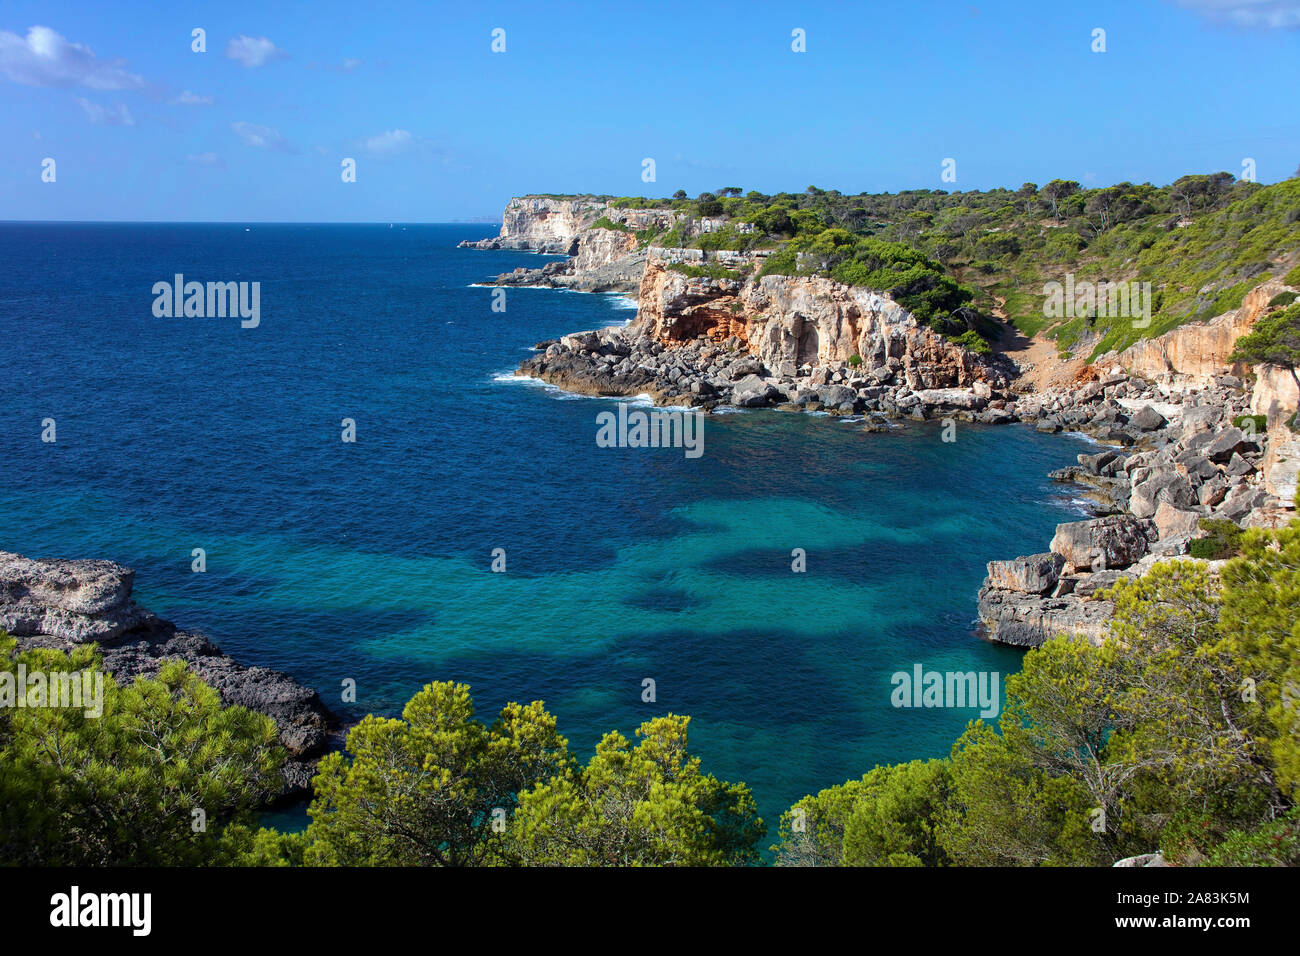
{"x":252,"y":51}
{"x":204,"y":159}
{"x":389,"y":143}
{"x":349,"y":65}
{"x":45,"y":58}
{"x":192,"y":99}
{"x":263,"y":137}
{"x":115,"y":115}
{"x":1248,"y":14}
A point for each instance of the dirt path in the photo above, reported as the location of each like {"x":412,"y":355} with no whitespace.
{"x":1041,"y":366}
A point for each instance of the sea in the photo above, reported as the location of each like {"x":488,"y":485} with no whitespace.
{"x":637,"y":581}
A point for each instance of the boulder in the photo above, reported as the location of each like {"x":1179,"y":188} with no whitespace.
{"x":77,"y":601}
{"x":1213,"y":491}
{"x":1172,"y":522}
{"x":1161,"y":483}
{"x":1195,"y":466}
{"x":1095,"y":463}
{"x":836,"y":395}
{"x":1143,"y":860}
{"x":1237,"y":466}
{"x":744,"y":367}
{"x":1227,"y":443}
{"x":80,"y":587}
{"x":950,"y":398}
{"x":1098,"y":544}
{"x":1147,"y":419}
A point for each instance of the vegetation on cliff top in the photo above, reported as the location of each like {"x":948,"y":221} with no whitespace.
{"x":1202,"y":242}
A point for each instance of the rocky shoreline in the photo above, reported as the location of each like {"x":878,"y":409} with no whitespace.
{"x":60,"y":604}
{"x":712,"y":331}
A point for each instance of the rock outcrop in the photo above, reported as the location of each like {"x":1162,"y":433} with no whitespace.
{"x":60,"y":604}
{"x":601,"y":259}
{"x":733,"y":337}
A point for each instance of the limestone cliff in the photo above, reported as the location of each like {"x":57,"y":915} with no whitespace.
{"x":794,"y":324}
{"x":602,"y":259}
{"x":543,"y":224}
{"x":1199,"y":350}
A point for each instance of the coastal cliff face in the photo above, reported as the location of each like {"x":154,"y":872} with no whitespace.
{"x":542,"y":224}
{"x":59,"y":604}
{"x":601,"y":259}
{"x":1198,"y":351}
{"x":794,"y":324}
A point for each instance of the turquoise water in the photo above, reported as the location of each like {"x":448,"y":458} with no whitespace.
{"x":371,"y":561}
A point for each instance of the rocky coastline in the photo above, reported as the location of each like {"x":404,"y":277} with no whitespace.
{"x":59,"y":604}
{"x":1182,"y":434}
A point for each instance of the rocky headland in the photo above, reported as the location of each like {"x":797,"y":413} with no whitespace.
{"x":1173,"y":418}
{"x":60,"y":604}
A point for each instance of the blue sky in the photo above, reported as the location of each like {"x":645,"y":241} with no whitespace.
{"x":442,"y":128}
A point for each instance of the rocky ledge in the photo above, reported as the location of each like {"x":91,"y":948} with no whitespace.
{"x":706,"y":373}
{"x":59,"y":604}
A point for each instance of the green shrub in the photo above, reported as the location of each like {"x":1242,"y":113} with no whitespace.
{"x":855,"y":360}
{"x":1283,"y":299}
{"x":1223,"y":540}
{"x":604,"y":222}
{"x":972,"y":340}
{"x":672,"y":239}
{"x":1273,"y":844}
{"x":1292,"y":277}
{"x":707,"y":271}
{"x":1257,"y":423}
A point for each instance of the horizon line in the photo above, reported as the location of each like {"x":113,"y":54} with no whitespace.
{"x":245,"y":222}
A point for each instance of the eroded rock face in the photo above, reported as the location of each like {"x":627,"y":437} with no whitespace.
{"x":597,"y":248}
{"x":1275,"y":394}
{"x":1282,"y":466}
{"x":1023,"y":620}
{"x":78,"y":601}
{"x":82,"y":587}
{"x":60,"y":604}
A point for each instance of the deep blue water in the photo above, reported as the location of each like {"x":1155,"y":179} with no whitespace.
{"x":371,"y":560}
